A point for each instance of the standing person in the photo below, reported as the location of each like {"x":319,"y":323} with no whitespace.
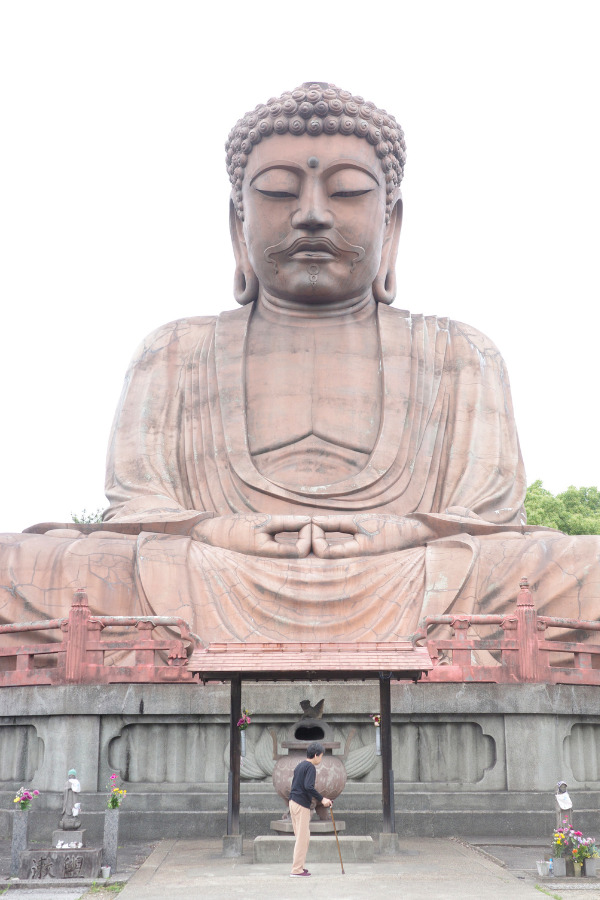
{"x":301,"y":794}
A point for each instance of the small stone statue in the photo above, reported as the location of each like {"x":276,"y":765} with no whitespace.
{"x":71,"y":807}
{"x":564,"y":806}
{"x":312,"y":712}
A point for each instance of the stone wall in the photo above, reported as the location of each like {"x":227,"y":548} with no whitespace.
{"x":468,"y":758}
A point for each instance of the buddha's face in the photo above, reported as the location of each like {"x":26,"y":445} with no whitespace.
{"x":314,"y":216}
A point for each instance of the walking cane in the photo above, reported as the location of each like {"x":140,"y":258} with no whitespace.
{"x":337,"y":839}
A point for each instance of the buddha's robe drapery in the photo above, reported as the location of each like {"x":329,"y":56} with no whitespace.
{"x":447,"y":454}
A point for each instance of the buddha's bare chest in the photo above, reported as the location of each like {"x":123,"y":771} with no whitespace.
{"x":313,"y":399}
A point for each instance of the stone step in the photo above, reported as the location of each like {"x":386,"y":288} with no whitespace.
{"x":148,"y":825}
{"x":268,"y":801}
{"x":417,"y":801}
{"x":280,"y":849}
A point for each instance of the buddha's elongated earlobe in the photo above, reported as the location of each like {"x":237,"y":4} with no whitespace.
{"x":384,"y":286}
{"x":245,"y":282}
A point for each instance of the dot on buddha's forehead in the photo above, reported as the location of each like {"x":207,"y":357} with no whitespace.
{"x":313,"y":162}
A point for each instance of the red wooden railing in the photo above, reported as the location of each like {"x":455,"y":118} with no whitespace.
{"x":79,"y":657}
{"x":522,"y":655}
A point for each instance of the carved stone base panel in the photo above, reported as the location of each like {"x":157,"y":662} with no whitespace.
{"x":442,"y":752}
{"x":158,"y":752}
{"x":21,"y":752}
{"x":582,"y":750}
{"x":39,"y":865}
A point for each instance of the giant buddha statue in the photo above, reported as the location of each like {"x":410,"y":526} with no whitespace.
{"x":315,"y":464}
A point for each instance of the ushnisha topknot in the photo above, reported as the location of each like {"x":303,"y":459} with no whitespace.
{"x":317,"y":108}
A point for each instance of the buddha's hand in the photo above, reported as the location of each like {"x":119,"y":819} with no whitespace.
{"x":254,"y":534}
{"x":367,"y":534}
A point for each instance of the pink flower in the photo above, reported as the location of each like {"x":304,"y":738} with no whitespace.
{"x":36,"y":793}
{"x":113,"y":776}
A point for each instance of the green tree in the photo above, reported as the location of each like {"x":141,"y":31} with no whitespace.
{"x":87,"y":518}
{"x":574,"y":511}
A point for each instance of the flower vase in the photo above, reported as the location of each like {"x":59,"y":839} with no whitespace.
{"x":577,"y":867}
{"x":590,"y":866}
{"x":559,"y":865}
{"x":111,"y":838}
{"x":378,"y":741}
{"x":243,"y":742}
{"x":19,"y":839}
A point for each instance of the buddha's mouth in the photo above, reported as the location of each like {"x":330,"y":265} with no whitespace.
{"x":306,"y":248}
{"x":321,"y":248}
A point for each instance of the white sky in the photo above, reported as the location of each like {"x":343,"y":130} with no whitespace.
{"x":114,"y":198}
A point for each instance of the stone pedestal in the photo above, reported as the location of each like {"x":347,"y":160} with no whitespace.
{"x":19,"y":838}
{"x":111,"y":839}
{"x":317,"y":826}
{"x":44,"y":864}
{"x":322,"y":848}
{"x":70,"y":837}
{"x":331,"y":774}
{"x":389,"y":845}
{"x":233,"y":845}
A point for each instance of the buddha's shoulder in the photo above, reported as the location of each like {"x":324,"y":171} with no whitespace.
{"x":176,"y":338}
{"x":183,"y":331}
{"x":459,"y":334}
{"x":466,"y":339}
{"x":459,"y":345}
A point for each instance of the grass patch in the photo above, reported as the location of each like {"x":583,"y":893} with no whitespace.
{"x":547,"y":893}
{"x":105,"y":890}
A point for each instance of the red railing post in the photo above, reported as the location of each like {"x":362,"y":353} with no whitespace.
{"x":528,"y":667}
{"x":76,"y":637}
{"x":145,"y":657}
{"x":94,"y":657}
{"x":460,"y":626}
{"x":510,"y":658}
{"x":24,"y":662}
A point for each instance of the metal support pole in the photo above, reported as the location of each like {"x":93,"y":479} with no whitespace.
{"x":229,"y":800}
{"x":392,"y":803}
{"x":233,"y":795}
{"x":387,"y":775}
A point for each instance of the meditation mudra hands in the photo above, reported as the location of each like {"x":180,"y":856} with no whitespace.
{"x":327,"y":537}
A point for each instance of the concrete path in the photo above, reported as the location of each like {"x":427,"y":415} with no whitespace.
{"x":46,"y":893}
{"x":426,"y":869}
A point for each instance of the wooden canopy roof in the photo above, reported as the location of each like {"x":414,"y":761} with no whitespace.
{"x":273,"y":661}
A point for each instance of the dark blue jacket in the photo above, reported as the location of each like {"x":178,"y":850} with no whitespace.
{"x":303,"y":784}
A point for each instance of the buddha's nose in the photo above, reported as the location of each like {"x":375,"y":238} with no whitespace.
{"x":312,"y":213}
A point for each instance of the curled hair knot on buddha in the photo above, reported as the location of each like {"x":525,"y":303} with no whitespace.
{"x":315,"y":108}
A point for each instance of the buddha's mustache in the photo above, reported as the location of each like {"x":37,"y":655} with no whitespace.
{"x":334,"y":243}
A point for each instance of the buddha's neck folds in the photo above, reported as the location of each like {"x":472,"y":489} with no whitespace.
{"x":301,"y":310}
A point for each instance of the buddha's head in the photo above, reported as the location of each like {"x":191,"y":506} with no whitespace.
{"x":316,"y":208}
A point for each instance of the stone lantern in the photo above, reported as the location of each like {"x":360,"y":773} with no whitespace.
{"x":331,"y":773}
